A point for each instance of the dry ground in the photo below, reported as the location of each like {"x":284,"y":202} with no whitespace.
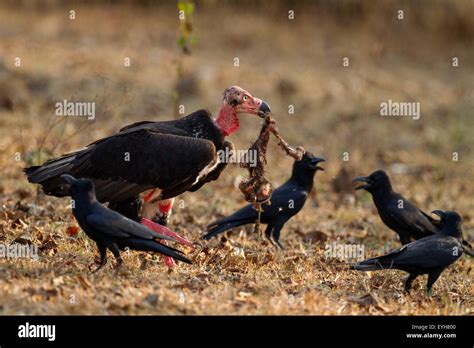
{"x":283,"y":62}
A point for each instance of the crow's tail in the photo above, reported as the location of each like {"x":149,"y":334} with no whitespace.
{"x":218,"y":227}
{"x":369,"y":265}
{"x":150,"y":245}
{"x":468,"y":250}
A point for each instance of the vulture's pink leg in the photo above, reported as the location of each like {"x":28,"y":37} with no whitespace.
{"x":159,"y":213}
{"x":166,"y":231}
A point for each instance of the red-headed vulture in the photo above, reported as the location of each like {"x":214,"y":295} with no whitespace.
{"x":141,"y":168}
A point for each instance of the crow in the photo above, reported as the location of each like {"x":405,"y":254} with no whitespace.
{"x":428,"y":255}
{"x":140,"y":169}
{"x":286,"y":201}
{"x":398,"y":213}
{"x":111,"y":230}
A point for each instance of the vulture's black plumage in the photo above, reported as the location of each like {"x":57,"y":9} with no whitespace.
{"x":166,"y":155}
{"x":170,"y":157}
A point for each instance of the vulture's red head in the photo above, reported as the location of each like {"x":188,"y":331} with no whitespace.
{"x":236,"y":101}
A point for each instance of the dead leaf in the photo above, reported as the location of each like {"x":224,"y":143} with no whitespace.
{"x":369,"y":299}
{"x":24,"y":238}
{"x":72,"y":231}
{"x":315,"y":237}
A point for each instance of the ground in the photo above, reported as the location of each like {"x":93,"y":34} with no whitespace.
{"x":287,"y":63}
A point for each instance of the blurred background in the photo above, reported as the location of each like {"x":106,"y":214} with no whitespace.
{"x":138,"y":60}
{"x":141,"y":61}
{"x":77,"y":51}
{"x":290,"y":53}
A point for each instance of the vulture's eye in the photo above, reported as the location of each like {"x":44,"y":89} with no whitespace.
{"x":245,"y":98}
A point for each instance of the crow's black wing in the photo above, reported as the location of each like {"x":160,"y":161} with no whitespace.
{"x":287,"y":200}
{"x":114,"y":225}
{"x":427,"y":253}
{"x":409,"y":218}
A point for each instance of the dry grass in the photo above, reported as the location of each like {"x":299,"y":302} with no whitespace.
{"x":336,"y":111}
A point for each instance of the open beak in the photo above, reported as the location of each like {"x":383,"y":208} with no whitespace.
{"x":362,"y":179}
{"x":68,"y":178}
{"x":314,"y":163}
{"x":440,"y":213}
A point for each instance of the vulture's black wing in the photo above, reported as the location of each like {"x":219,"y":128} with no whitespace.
{"x":130,"y":162}
{"x":214,"y":175}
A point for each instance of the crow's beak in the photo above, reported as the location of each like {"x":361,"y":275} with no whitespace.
{"x":440,"y":213}
{"x":263,"y":109}
{"x":362,"y":179}
{"x":68,"y":178}
{"x":314,"y":163}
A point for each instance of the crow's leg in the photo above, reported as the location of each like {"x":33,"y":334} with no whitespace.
{"x":276,"y":234}
{"x":432,"y":278}
{"x":409,"y":281}
{"x":116,"y":252}
{"x":279,"y":245}
{"x":103,"y":256}
{"x":268,"y":233}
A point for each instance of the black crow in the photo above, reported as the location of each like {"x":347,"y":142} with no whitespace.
{"x":429,"y":255}
{"x":142,"y":167}
{"x":111,"y":230}
{"x":396,"y":212}
{"x":286,"y":201}
{"x":157,"y":160}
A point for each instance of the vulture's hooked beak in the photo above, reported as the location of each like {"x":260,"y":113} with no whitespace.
{"x":263,"y":109}
{"x":314,"y":163}
{"x":254,"y":106}
{"x":362,"y":179}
